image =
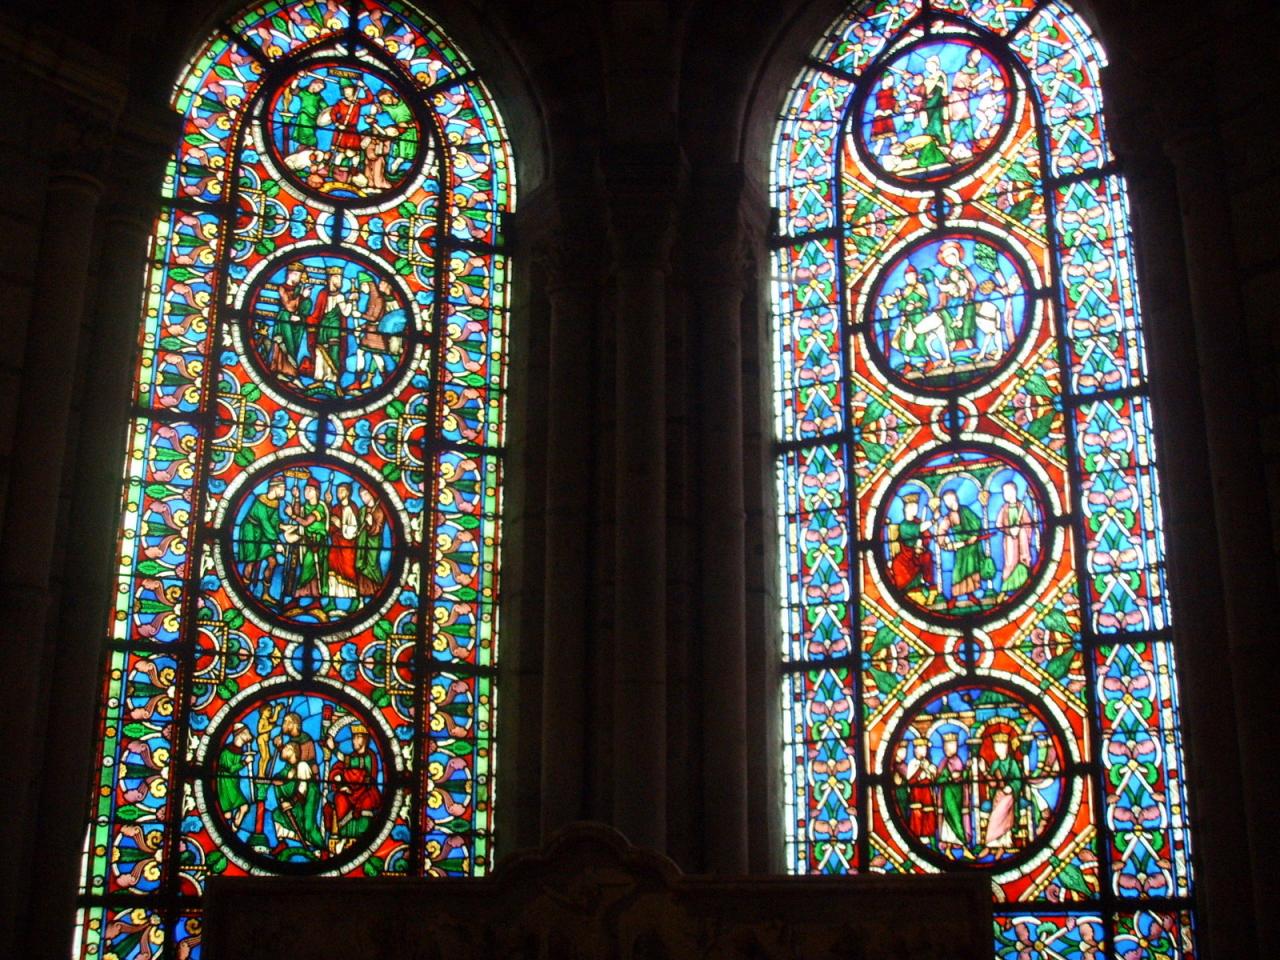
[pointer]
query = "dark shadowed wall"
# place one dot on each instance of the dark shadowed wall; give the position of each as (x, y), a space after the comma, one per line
(639, 593)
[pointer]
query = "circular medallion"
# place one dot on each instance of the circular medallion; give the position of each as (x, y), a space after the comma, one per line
(297, 781)
(949, 312)
(962, 535)
(933, 111)
(345, 132)
(975, 776)
(327, 327)
(311, 544)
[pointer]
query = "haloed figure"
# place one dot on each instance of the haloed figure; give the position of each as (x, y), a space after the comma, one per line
(344, 525)
(959, 531)
(1004, 774)
(1017, 525)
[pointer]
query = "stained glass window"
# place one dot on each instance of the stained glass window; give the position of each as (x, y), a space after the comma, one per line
(300, 661)
(978, 668)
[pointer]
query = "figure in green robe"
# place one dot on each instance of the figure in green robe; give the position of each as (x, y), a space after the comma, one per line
(901, 788)
(935, 103)
(309, 102)
(296, 814)
(404, 149)
(959, 530)
(910, 302)
(951, 779)
(312, 532)
(258, 540)
(230, 765)
(969, 82)
(288, 328)
(369, 572)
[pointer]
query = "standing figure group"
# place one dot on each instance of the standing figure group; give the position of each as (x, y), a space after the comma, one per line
(941, 555)
(291, 796)
(301, 554)
(980, 798)
(361, 142)
(337, 338)
(927, 117)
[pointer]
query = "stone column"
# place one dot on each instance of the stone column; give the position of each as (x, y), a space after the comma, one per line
(88, 567)
(1193, 537)
(642, 210)
(1238, 494)
(31, 520)
(717, 289)
(572, 291)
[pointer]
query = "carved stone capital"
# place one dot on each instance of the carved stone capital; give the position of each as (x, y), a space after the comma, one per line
(141, 147)
(645, 188)
(727, 228)
(79, 142)
(567, 251)
(82, 93)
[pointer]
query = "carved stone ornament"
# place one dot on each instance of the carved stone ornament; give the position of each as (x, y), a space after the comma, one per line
(590, 894)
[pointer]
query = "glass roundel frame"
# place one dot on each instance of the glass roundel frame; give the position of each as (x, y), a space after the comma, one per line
(306, 554)
(998, 314)
(286, 331)
(867, 114)
(1005, 753)
(286, 786)
(938, 508)
(312, 97)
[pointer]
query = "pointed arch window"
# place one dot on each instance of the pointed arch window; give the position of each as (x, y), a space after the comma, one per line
(299, 674)
(978, 667)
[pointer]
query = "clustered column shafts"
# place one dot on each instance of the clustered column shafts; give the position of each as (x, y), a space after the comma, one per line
(102, 418)
(1237, 479)
(42, 441)
(571, 292)
(720, 289)
(642, 209)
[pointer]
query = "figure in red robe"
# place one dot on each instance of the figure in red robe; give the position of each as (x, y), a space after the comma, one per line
(922, 778)
(356, 795)
(344, 526)
(345, 117)
(883, 126)
(912, 565)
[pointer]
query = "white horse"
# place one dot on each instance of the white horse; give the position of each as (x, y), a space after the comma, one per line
(932, 330)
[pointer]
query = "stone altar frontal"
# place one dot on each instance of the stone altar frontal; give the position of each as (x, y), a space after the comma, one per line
(589, 895)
